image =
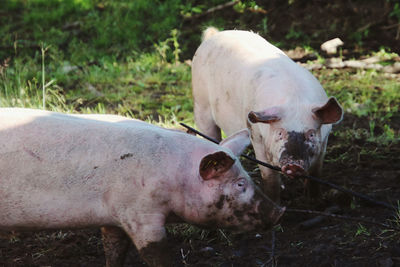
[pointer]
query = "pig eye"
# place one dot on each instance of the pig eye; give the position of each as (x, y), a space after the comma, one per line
(280, 134)
(241, 184)
(310, 135)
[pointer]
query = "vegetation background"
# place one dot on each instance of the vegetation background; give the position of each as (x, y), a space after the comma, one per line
(133, 58)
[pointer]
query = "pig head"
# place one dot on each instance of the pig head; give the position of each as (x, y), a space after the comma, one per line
(230, 199)
(293, 138)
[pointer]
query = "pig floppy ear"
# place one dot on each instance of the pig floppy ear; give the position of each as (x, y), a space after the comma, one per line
(213, 165)
(237, 142)
(266, 116)
(331, 112)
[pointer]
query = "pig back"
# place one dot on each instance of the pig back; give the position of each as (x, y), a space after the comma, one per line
(239, 71)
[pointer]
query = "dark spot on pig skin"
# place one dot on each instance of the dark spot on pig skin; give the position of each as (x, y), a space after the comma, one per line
(95, 167)
(212, 214)
(33, 154)
(127, 155)
(220, 202)
(157, 253)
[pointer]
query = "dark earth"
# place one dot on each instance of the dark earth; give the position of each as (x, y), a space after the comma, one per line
(331, 242)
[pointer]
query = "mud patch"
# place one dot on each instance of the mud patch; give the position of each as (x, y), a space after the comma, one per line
(127, 155)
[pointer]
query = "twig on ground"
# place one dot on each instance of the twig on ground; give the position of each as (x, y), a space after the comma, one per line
(212, 10)
(272, 259)
(343, 217)
(316, 220)
(390, 26)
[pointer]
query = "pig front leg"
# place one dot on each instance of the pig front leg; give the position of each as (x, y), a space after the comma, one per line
(157, 253)
(149, 237)
(205, 121)
(271, 179)
(312, 189)
(115, 243)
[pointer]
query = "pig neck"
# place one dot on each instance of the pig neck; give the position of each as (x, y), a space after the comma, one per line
(191, 193)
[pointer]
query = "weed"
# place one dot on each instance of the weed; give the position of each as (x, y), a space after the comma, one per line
(396, 217)
(163, 47)
(362, 230)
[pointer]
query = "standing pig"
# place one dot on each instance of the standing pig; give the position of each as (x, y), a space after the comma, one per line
(239, 80)
(126, 176)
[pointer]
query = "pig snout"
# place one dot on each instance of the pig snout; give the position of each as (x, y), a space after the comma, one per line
(269, 211)
(293, 169)
(297, 154)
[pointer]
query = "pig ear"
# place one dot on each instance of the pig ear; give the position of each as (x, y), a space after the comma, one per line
(237, 142)
(265, 116)
(213, 165)
(331, 112)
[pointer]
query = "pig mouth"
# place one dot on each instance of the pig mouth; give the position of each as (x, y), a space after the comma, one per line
(293, 170)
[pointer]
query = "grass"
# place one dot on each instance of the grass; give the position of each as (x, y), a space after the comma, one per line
(145, 85)
(371, 102)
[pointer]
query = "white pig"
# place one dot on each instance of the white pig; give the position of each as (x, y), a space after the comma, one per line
(126, 176)
(240, 80)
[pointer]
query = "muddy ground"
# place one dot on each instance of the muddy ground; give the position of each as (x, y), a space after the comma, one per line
(329, 243)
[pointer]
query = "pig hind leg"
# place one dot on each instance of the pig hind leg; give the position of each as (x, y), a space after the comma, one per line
(116, 244)
(205, 122)
(151, 242)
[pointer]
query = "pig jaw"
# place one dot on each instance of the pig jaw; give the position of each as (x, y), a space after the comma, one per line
(269, 211)
(257, 214)
(222, 204)
(240, 213)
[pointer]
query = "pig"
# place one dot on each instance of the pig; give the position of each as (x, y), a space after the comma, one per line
(240, 80)
(127, 177)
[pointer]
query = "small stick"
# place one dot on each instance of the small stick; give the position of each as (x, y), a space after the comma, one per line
(342, 217)
(318, 219)
(212, 10)
(272, 259)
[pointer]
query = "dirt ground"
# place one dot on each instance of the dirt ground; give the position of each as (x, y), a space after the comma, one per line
(329, 243)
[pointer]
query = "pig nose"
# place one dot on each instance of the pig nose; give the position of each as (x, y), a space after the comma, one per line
(270, 211)
(293, 170)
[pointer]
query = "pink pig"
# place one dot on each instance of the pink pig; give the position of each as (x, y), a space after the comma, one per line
(240, 80)
(126, 176)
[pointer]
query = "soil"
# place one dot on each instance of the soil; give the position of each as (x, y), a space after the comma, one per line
(331, 242)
